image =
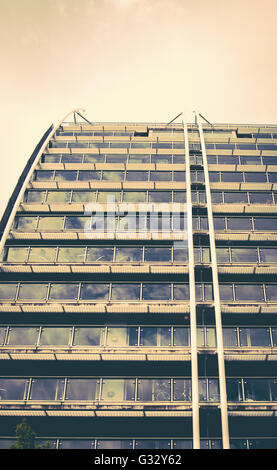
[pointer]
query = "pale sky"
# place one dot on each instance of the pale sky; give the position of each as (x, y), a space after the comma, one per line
(131, 60)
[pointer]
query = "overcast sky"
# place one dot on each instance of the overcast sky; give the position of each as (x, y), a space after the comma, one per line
(131, 60)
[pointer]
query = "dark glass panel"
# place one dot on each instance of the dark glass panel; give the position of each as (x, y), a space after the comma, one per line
(256, 390)
(239, 197)
(82, 389)
(160, 196)
(99, 254)
(181, 292)
(154, 389)
(228, 176)
(239, 223)
(156, 292)
(64, 291)
(64, 175)
(257, 177)
(46, 389)
(71, 254)
(113, 175)
(265, 224)
(182, 389)
(125, 292)
(148, 336)
(94, 291)
(128, 254)
(268, 255)
(248, 255)
(260, 198)
(12, 389)
(251, 292)
(159, 254)
(87, 336)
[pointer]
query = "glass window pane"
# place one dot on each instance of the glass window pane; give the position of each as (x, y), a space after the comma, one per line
(95, 291)
(125, 291)
(219, 223)
(159, 254)
(213, 390)
(181, 292)
(268, 255)
(99, 254)
(250, 160)
(72, 158)
(112, 175)
(265, 224)
(50, 223)
(239, 223)
(249, 292)
(71, 254)
(182, 389)
(35, 196)
(23, 336)
(271, 292)
(114, 444)
(160, 176)
(26, 224)
(211, 337)
(217, 197)
(12, 389)
(87, 336)
(154, 389)
(125, 254)
(165, 336)
(254, 337)
(64, 291)
(255, 177)
(228, 176)
(117, 337)
(222, 255)
(181, 176)
(77, 223)
(137, 176)
(156, 292)
(7, 291)
(83, 196)
(179, 196)
(272, 177)
(248, 255)
(139, 158)
(135, 196)
(116, 158)
(180, 254)
(118, 389)
(233, 388)
(75, 444)
(148, 336)
(45, 389)
(181, 336)
(232, 197)
(260, 198)
(160, 196)
(202, 384)
(42, 175)
(82, 389)
(256, 390)
(58, 196)
(16, 255)
(63, 175)
(226, 291)
(55, 336)
(42, 254)
(32, 291)
(230, 337)
(152, 444)
(108, 197)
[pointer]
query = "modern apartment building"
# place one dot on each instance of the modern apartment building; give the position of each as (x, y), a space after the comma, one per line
(138, 287)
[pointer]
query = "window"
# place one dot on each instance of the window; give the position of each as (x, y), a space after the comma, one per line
(95, 291)
(254, 337)
(250, 292)
(128, 254)
(232, 197)
(71, 254)
(247, 255)
(84, 336)
(83, 196)
(46, 224)
(160, 196)
(64, 291)
(118, 389)
(125, 292)
(182, 389)
(63, 175)
(271, 292)
(8, 291)
(46, 389)
(260, 198)
(154, 389)
(239, 223)
(255, 177)
(135, 196)
(160, 176)
(55, 336)
(13, 389)
(156, 292)
(265, 224)
(268, 255)
(32, 292)
(23, 336)
(99, 254)
(82, 389)
(159, 254)
(137, 176)
(229, 176)
(16, 254)
(58, 196)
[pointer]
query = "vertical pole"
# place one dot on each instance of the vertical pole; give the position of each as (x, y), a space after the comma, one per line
(219, 334)
(193, 322)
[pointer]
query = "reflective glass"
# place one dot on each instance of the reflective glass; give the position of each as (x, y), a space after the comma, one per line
(16, 254)
(160, 176)
(182, 389)
(211, 337)
(23, 336)
(181, 176)
(42, 254)
(181, 292)
(77, 223)
(160, 196)
(239, 223)
(202, 387)
(95, 291)
(226, 291)
(117, 337)
(260, 198)
(268, 255)
(271, 292)
(213, 390)
(154, 389)
(72, 158)
(25, 224)
(42, 175)
(232, 197)
(148, 336)
(265, 224)
(87, 175)
(231, 176)
(50, 223)
(63, 175)
(87, 336)
(134, 196)
(159, 254)
(58, 196)
(182, 444)
(64, 291)
(114, 444)
(125, 291)
(251, 337)
(99, 254)
(46, 389)
(248, 255)
(35, 196)
(12, 389)
(249, 292)
(256, 390)
(217, 197)
(219, 223)
(83, 196)
(2, 335)
(179, 196)
(108, 197)
(82, 389)
(230, 337)
(152, 444)
(71, 254)
(55, 336)
(91, 158)
(181, 336)
(128, 254)
(116, 158)
(112, 175)
(7, 291)
(32, 291)
(162, 159)
(139, 158)
(234, 390)
(269, 160)
(75, 444)
(180, 254)
(156, 292)
(272, 177)
(118, 389)
(250, 160)
(257, 177)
